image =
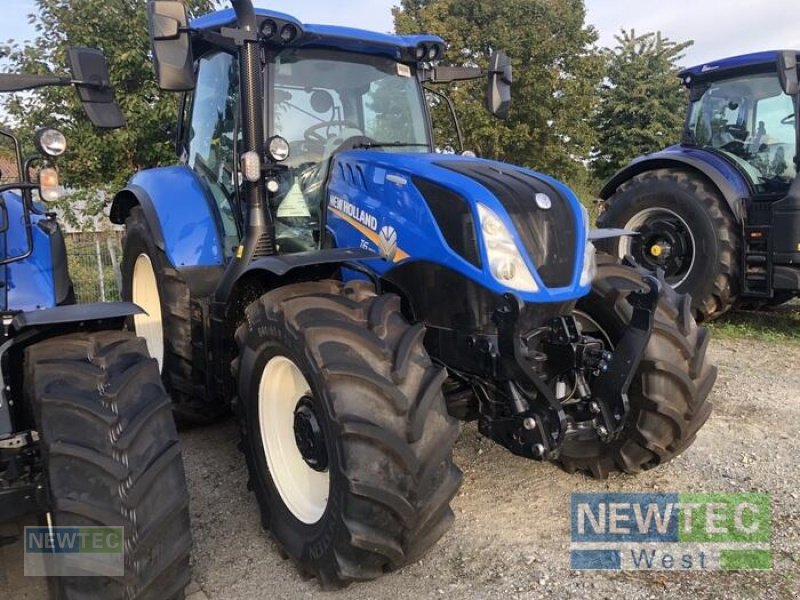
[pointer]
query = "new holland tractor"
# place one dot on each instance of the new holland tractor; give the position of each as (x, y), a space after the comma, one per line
(87, 437)
(719, 213)
(353, 295)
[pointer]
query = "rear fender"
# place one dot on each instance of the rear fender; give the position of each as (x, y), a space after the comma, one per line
(181, 218)
(724, 176)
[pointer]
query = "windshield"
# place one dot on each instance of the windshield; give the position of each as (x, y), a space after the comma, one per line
(325, 101)
(752, 121)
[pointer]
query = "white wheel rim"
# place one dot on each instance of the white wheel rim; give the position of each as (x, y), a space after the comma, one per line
(639, 219)
(303, 490)
(144, 292)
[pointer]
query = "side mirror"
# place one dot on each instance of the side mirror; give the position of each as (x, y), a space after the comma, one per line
(787, 71)
(90, 73)
(171, 45)
(498, 94)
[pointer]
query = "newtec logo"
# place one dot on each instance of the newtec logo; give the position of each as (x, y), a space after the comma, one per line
(671, 532)
(81, 551)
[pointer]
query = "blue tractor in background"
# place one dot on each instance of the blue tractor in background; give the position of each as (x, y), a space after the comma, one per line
(720, 212)
(87, 437)
(314, 265)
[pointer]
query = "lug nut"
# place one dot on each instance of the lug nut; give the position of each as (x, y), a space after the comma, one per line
(529, 424)
(538, 451)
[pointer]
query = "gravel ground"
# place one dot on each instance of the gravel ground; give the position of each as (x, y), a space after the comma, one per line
(511, 536)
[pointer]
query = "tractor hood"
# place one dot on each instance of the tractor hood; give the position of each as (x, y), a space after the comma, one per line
(435, 204)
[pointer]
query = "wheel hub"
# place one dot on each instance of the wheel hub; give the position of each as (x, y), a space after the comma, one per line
(664, 242)
(308, 435)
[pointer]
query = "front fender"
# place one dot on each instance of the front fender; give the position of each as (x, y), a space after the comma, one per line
(730, 182)
(273, 271)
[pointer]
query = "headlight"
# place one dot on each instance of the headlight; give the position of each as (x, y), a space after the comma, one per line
(589, 264)
(505, 262)
(589, 255)
(50, 142)
(278, 149)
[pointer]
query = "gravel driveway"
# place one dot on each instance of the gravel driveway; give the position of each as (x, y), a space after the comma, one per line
(511, 536)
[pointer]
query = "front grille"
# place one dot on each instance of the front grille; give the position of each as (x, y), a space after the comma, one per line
(454, 217)
(550, 236)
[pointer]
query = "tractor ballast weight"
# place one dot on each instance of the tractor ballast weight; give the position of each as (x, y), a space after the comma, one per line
(87, 438)
(720, 212)
(351, 294)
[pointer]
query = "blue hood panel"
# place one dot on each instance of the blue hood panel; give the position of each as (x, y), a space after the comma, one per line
(29, 283)
(372, 195)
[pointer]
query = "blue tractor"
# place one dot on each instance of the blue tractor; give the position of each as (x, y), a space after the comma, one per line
(87, 438)
(314, 265)
(720, 212)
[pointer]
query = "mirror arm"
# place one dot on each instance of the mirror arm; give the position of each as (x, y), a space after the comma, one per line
(18, 82)
(101, 86)
(451, 74)
(452, 108)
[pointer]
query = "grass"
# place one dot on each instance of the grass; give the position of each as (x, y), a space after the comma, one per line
(781, 324)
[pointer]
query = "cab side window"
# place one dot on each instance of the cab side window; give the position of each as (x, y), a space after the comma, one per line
(210, 136)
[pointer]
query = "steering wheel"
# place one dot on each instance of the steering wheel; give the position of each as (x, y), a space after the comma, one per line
(311, 134)
(788, 120)
(735, 147)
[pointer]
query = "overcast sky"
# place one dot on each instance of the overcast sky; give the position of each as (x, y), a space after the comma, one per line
(719, 29)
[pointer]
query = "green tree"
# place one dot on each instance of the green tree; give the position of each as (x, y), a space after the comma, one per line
(96, 163)
(642, 101)
(556, 73)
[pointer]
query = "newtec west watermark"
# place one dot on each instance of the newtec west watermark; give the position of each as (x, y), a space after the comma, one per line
(74, 551)
(671, 532)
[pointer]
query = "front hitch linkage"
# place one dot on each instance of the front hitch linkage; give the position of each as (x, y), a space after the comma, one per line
(610, 389)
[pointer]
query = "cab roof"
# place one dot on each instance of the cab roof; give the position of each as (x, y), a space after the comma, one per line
(713, 69)
(399, 47)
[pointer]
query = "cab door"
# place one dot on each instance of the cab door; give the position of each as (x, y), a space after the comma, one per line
(210, 139)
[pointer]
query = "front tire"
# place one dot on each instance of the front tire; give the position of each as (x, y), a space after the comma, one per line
(686, 229)
(111, 457)
(361, 481)
(669, 393)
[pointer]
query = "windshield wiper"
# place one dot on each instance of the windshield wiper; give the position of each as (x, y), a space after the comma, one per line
(368, 145)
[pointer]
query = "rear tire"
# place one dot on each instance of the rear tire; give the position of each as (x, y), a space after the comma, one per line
(668, 395)
(712, 277)
(383, 500)
(111, 457)
(148, 279)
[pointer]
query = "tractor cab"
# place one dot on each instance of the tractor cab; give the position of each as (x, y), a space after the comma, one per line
(326, 90)
(745, 110)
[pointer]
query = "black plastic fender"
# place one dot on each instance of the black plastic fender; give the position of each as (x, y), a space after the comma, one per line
(133, 196)
(28, 328)
(107, 315)
(282, 266)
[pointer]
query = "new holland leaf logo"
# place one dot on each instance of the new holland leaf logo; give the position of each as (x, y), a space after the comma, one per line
(387, 241)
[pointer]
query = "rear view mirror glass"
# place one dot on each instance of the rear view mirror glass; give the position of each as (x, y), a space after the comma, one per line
(90, 72)
(498, 97)
(171, 45)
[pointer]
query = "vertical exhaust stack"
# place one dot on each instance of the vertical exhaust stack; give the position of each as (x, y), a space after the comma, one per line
(259, 233)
